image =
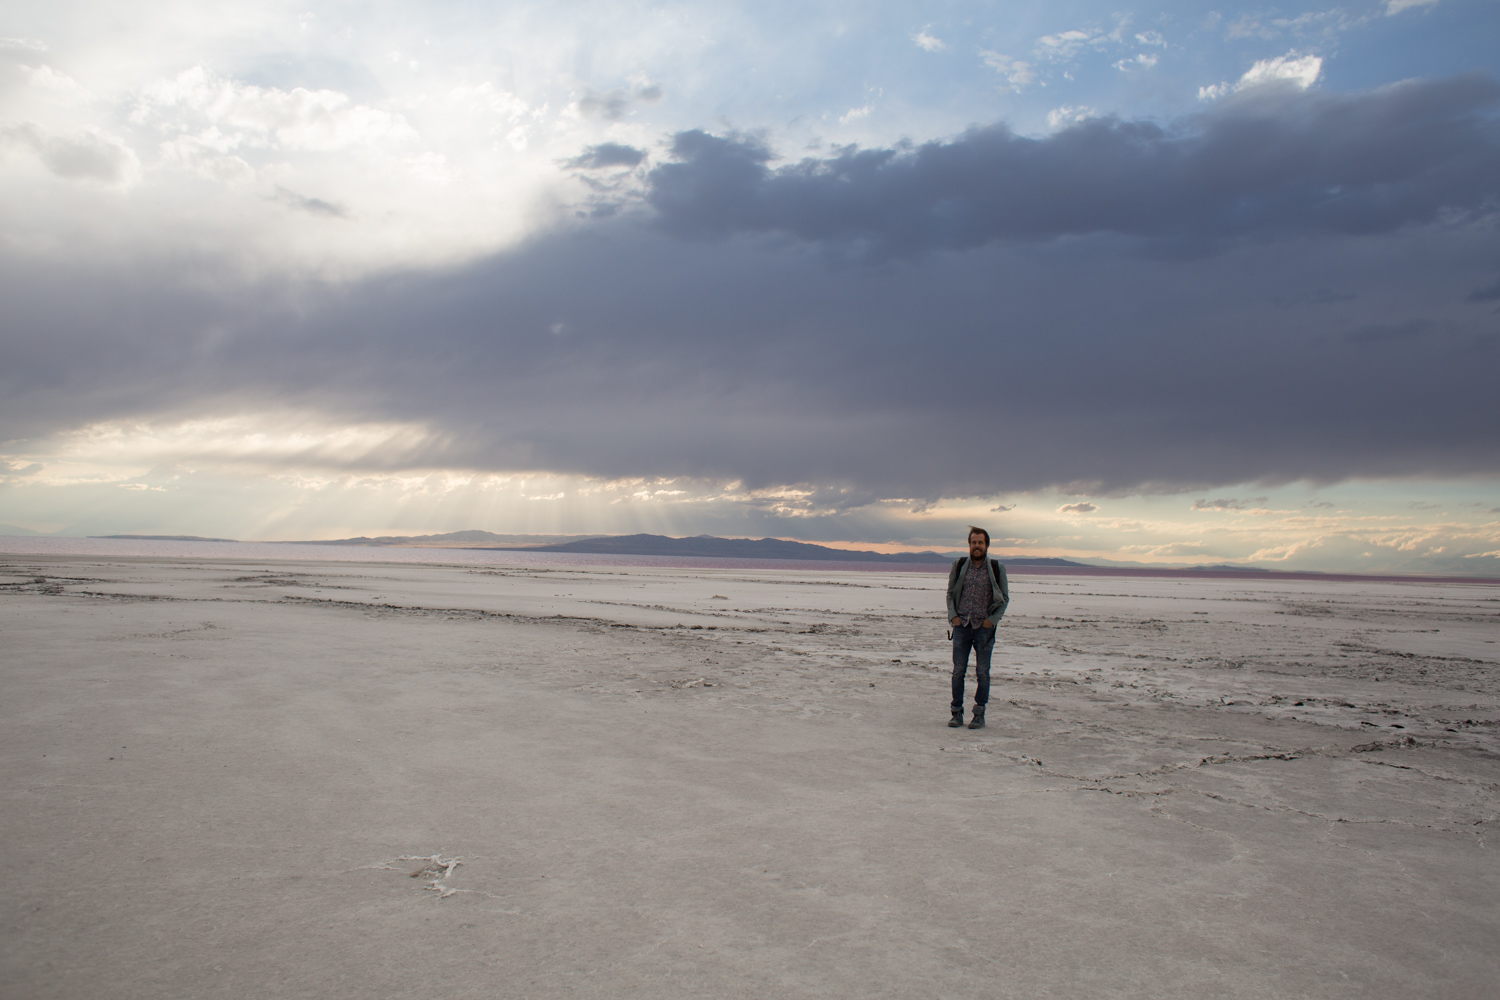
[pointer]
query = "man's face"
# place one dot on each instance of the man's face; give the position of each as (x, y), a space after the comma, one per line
(977, 547)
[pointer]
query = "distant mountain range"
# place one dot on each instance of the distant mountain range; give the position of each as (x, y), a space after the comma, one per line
(759, 548)
(662, 545)
(729, 548)
(452, 539)
(709, 546)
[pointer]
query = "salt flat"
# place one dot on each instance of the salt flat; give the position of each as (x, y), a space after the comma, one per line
(220, 776)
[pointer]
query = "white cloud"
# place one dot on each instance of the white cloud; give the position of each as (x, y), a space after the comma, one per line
(1250, 27)
(86, 154)
(854, 114)
(928, 43)
(1397, 6)
(1065, 44)
(1141, 60)
(1231, 503)
(122, 451)
(208, 154)
(433, 166)
(1017, 72)
(1327, 23)
(488, 97)
(297, 119)
(55, 86)
(11, 472)
(22, 45)
(1151, 38)
(480, 174)
(1070, 114)
(1301, 71)
(1165, 550)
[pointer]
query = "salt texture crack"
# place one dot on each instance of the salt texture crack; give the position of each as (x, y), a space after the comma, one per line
(435, 870)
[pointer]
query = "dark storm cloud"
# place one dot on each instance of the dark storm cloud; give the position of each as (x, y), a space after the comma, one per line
(996, 370)
(1270, 160)
(1379, 333)
(605, 155)
(1014, 365)
(1489, 293)
(1313, 297)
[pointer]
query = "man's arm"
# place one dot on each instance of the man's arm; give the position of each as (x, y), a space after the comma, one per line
(1000, 599)
(952, 580)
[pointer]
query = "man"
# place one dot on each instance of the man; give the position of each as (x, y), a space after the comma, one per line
(977, 596)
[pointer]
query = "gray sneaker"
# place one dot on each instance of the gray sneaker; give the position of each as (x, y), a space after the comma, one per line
(978, 721)
(957, 720)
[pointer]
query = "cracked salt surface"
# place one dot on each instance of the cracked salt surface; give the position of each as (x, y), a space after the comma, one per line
(434, 871)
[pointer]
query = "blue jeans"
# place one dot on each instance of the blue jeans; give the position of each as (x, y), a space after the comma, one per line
(982, 642)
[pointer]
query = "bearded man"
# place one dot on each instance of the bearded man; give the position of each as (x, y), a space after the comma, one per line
(977, 597)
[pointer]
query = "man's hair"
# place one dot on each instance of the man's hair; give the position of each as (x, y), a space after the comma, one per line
(979, 531)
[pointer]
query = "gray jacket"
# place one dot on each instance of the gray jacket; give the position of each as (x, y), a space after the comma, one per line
(999, 588)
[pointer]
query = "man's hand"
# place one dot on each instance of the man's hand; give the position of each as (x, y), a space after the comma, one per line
(987, 624)
(956, 622)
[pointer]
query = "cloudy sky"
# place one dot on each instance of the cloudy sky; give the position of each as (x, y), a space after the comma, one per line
(1158, 284)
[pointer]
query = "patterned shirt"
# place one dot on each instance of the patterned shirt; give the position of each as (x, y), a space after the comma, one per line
(974, 602)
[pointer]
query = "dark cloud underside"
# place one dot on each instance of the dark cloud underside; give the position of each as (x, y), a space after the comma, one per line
(605, 155)
(1269, 160)
(1329, 334)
